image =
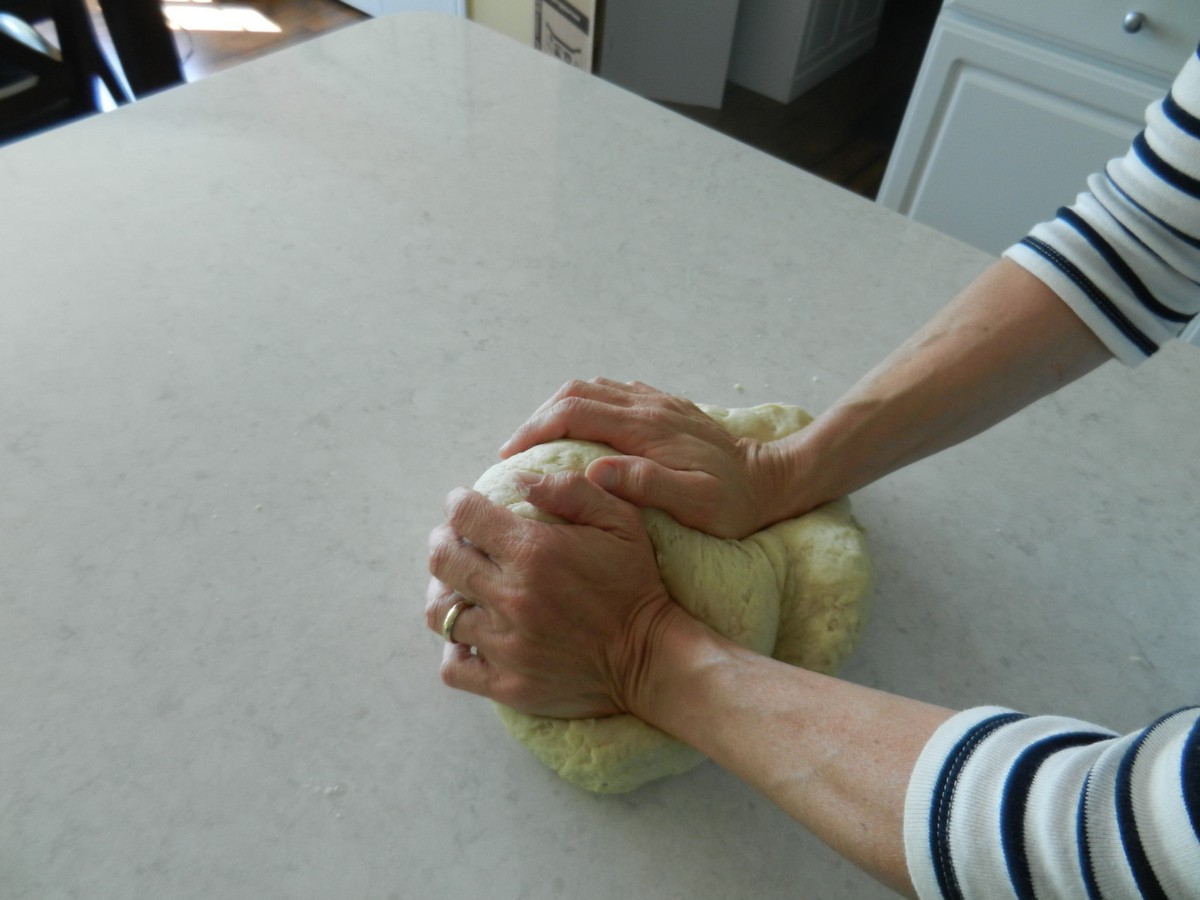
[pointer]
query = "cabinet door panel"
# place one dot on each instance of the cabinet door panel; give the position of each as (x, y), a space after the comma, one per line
(1000, 134)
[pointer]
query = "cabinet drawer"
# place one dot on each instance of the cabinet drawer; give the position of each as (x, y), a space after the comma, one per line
(1170, 29)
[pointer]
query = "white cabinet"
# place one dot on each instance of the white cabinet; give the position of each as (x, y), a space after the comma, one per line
(673, 50)
(783, 47)
(1019, 101)
(1156, 42)
(387, 7)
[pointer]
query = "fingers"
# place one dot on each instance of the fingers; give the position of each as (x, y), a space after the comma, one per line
(466, 671)
(626, 387)
(586, 410)
(440, 601)
(477, 531)
(585, 420)
(547, 602)
(639, 481)
(472, 516)
(463, 568)
(471, 672)
(571, 496)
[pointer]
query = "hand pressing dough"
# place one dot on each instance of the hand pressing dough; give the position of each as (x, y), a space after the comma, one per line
(796, 591)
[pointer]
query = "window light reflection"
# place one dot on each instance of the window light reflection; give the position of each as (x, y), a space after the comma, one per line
(204, 15)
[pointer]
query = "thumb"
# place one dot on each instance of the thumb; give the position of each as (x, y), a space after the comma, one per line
(640, 481)
(572, 497)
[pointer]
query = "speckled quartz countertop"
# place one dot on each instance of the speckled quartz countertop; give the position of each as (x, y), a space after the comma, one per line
(253, 329)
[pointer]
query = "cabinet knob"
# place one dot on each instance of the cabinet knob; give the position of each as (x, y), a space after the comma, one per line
(1133, 22)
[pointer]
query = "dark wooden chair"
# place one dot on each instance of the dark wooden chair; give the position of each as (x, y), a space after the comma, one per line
(48, 84)
(35, 86)
(43, 85)
(143, 43)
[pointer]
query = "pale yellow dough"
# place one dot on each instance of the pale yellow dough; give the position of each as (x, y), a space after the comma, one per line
(797, 591)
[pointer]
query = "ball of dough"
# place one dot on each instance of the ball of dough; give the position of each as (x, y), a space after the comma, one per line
(796, 591)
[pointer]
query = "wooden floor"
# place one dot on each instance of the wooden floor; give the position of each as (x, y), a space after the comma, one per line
(843, 129)
(205, 52)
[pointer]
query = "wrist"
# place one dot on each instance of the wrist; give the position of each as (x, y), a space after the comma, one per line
(680, 657)
(789, 477)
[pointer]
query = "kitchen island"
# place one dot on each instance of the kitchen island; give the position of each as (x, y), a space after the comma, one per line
(254, 328)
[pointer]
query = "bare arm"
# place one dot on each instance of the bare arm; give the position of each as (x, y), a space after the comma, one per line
(1002, 343)
(835, 756)
(573, 620)
(1005, 341)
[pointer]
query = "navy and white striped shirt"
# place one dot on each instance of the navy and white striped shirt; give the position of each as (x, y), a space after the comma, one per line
(1006, 805)
(1126, 256)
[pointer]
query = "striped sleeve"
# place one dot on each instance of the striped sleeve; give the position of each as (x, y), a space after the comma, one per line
(1126, 256)
(1003, 805)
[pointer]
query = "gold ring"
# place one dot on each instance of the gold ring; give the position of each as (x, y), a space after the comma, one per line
(451, 618)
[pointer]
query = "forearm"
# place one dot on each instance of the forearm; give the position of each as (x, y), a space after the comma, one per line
(834, 755)
(1004, 342)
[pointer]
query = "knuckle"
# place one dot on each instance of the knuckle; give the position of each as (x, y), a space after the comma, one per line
(570, 405)
(635, 475)
(651, 416)
(678, 404)
(565, 479)
(439, 557)
(473, 586)
(574, 388)
(458, 506)
(449, 673)
(508, 600)
(433, 612)
(518, 608)
(431, 599)
(438, 536)
(529, 558)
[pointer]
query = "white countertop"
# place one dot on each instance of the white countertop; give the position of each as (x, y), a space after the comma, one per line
(253, 329)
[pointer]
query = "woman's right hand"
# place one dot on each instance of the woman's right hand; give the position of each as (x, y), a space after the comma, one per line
(561, 620)
(677, 458)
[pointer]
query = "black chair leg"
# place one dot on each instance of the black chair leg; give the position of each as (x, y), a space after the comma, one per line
(81, 50)
(144, 44)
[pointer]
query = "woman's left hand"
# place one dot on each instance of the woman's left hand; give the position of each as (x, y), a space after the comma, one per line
(562, 619)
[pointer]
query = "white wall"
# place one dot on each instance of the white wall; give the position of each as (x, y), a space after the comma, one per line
(511, 17)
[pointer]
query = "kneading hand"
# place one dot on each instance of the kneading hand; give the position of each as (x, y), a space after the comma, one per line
(680, 460)
(563, 618)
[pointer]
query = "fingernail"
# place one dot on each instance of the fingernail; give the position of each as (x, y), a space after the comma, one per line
(523, 483)
(605, 477)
